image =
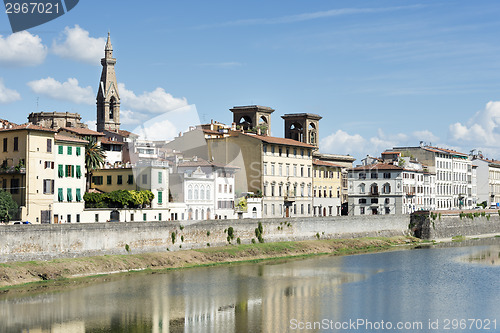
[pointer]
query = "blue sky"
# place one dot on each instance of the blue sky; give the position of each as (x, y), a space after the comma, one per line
(381, 73)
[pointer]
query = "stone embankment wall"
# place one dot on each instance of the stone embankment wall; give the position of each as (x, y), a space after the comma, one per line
(41, 242)
(441, 225)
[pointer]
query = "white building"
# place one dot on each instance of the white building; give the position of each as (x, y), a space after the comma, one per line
(69, 179)
(488, 180)
(397, 186)
(454, 174)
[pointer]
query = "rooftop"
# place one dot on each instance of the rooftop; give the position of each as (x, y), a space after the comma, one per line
(279, 141)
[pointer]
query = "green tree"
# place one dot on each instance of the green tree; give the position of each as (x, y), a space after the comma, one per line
(94, 157)
(8, 207)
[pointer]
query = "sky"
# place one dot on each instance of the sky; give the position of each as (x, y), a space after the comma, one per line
(380, 73)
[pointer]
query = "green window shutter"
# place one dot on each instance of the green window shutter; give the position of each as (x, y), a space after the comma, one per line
(70, 195)
(108, 180)
(119, 180)
(72, 171)
(70, 150)
(78, 195)
(60, 148)
(130, 179)
(60, 170)
(78, 172)
(67, 171)
(160, 177)
(78, 152)
(160, 197)
(60, 196)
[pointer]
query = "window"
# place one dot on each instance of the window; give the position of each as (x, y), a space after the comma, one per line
(159, 216)
(280, 151)
(119, 180)
(196, 191)
(96, 218)
(60, 195)
(202, 193)
(69, 195)
(362, 210)
(225, 188)
(77, 218)
(280, 169)
(387, 175)
(78, 151)
(144, 179)
(302, 152)
(272, 150)
(60, 150)
(70, 171)
(362, 176)
(220, 188)
(78, 195)
(362, 188)
(48, 186)
(230, 188)
(295, 170)
(374, 201)
(374, 189)
(14, 186)
(207, 193)
(160, 197)
(5, 144)
(190, 192)
(109, 180)
(70, 150)
(374, 175)
(4, 184)
(264, 148)
(301, 171)
(97, 180)
(16, 143)
(287, 152)
(60, 171)
(387, 188)
(78, 172)
(362, 201)
(295, 152)
(265, 169)
(130, 179)
(272, 169)
(160, 178)
(132, 217)
(387, 210)
(144, 217)
(68, 218)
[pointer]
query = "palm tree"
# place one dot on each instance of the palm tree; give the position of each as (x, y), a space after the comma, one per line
(94, 157)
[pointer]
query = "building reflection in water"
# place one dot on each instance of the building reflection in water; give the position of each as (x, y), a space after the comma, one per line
(260, 297)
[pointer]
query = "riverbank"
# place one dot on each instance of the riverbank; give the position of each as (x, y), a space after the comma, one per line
(19, 273)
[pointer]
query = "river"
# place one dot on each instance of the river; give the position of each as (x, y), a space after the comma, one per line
(452, 287)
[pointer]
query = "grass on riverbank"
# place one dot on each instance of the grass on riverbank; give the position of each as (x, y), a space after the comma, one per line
(18, 273)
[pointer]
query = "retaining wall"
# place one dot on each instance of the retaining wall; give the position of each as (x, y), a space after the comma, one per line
(433, 225)
(41, 242)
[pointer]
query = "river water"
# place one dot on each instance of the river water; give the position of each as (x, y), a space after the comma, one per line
(451, 287)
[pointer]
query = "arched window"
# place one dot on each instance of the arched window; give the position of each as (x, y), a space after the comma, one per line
(112, 104)
(196, 192)
(374, 189)
(190, 192)
(202, 193)
(208, 193)
(362, 188)
(254, 212)
(387, 188)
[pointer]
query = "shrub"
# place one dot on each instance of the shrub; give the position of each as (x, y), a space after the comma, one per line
(181, 227)
(253, 240)
(238, 240)
(317, 235)
(230, 232)
(208, 244)
(208, 233)
(127, 248)
(173, 237)
(182, 238)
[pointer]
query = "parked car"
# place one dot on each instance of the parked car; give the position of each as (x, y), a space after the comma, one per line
(22, 222)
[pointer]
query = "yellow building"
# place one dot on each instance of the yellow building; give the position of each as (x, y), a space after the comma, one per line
(327, 188)
(27, 170)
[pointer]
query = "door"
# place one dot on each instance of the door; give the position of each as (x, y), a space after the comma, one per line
(287, 211)
(56, 219)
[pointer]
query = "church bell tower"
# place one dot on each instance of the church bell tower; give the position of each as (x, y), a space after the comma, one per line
(108, 99)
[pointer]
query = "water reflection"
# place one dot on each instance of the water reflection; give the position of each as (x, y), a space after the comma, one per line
(264, 297)
(490, 256)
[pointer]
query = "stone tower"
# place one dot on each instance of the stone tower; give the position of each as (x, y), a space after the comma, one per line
(253, 117)
(303, 127)
(108, 100)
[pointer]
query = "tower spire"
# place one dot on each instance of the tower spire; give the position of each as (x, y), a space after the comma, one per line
(108, 99)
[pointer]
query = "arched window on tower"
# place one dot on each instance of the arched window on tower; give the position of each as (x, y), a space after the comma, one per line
(112, 105)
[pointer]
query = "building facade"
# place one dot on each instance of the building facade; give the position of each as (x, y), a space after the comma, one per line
(327, 188)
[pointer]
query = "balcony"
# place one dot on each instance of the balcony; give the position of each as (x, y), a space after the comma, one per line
(374, 194)
(290, 198)
(13, 170)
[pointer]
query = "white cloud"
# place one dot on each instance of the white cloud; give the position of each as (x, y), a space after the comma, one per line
(78, 45)
(167, 126)
(342, 142)
(156, 101)
(426, 136)
(8, 95)
(65, 91)
(482, 130)
(92, 124)
(129, 117)
(22, 49)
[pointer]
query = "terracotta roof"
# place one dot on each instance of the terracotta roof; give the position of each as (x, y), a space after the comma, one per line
(60, 137)
(325, 163)
(126, 134)
(107, 141)
(449, 151)
(211, 132)
(279, 141)
(28, 126)
(378, 166)
(391, 152)
(82, 131)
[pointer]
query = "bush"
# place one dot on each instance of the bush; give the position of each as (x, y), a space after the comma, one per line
(238, 240)
(253, 240)
(208, 232)
(118, 199)
(173, 237)
(8, 207)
